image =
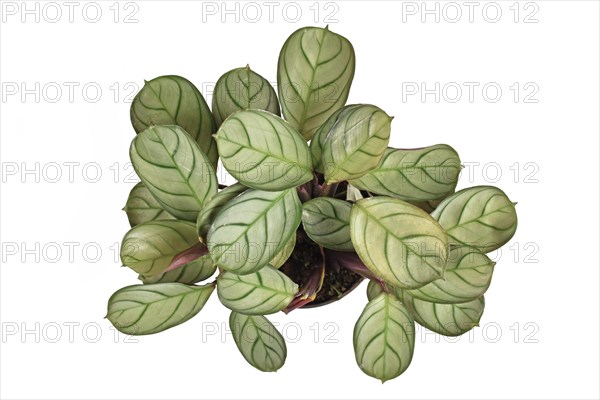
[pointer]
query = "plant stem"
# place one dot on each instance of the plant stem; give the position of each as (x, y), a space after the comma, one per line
(329, 190)
(315, 188)
(303, 194)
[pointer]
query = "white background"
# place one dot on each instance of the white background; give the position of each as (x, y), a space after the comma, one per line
(539, 333)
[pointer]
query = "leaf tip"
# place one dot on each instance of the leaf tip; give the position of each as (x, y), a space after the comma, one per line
(515, 203)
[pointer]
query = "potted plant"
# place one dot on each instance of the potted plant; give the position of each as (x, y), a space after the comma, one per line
(321, 203)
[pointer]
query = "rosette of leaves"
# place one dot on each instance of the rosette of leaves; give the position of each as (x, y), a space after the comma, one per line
(321, 202)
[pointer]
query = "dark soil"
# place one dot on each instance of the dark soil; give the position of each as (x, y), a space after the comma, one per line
(338, 282)
(307, 261)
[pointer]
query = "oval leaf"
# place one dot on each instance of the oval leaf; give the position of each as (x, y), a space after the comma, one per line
(146, 309)
(149, 248)
(174, 170)
(326, 222)
(264, 292)
(195, 271)
(214, 205)
(446, 319)
(242, 89)
(314, 74)
(467, 277)
(384, 338)
(262, 151)
(355, 143)
(318, 141)
(142, 206)
(423, 174)
(173, 100)
(482, 217)
(285, 253)
(251, 229)
(259, 341)
(399, 242)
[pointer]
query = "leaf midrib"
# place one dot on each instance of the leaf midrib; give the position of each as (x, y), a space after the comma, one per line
(261, 215)
(298, 163)
(193, 290)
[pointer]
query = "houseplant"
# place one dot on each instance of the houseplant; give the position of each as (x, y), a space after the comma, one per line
(321, 203)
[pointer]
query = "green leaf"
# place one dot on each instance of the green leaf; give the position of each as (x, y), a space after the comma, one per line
(148, 248)
(373, 290)
(482, 217)
(314, 74)
(214, 205)
(428, 173)
(467, 277)
(259, 341)
(195, 271)
(317, 142)
(285, 253)
(384, 338)
(242, 89)
(142, 207)
(264, 292)
(262, 151)
(174, 170)
(355, 143)
(399, 242)
(147, 309)
(173, 100)
(326, 222)
(446, 319)
(251, 229)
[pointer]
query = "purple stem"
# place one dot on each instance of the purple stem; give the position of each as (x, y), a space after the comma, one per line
(315, 188)
(196, 251)
(303, 194)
